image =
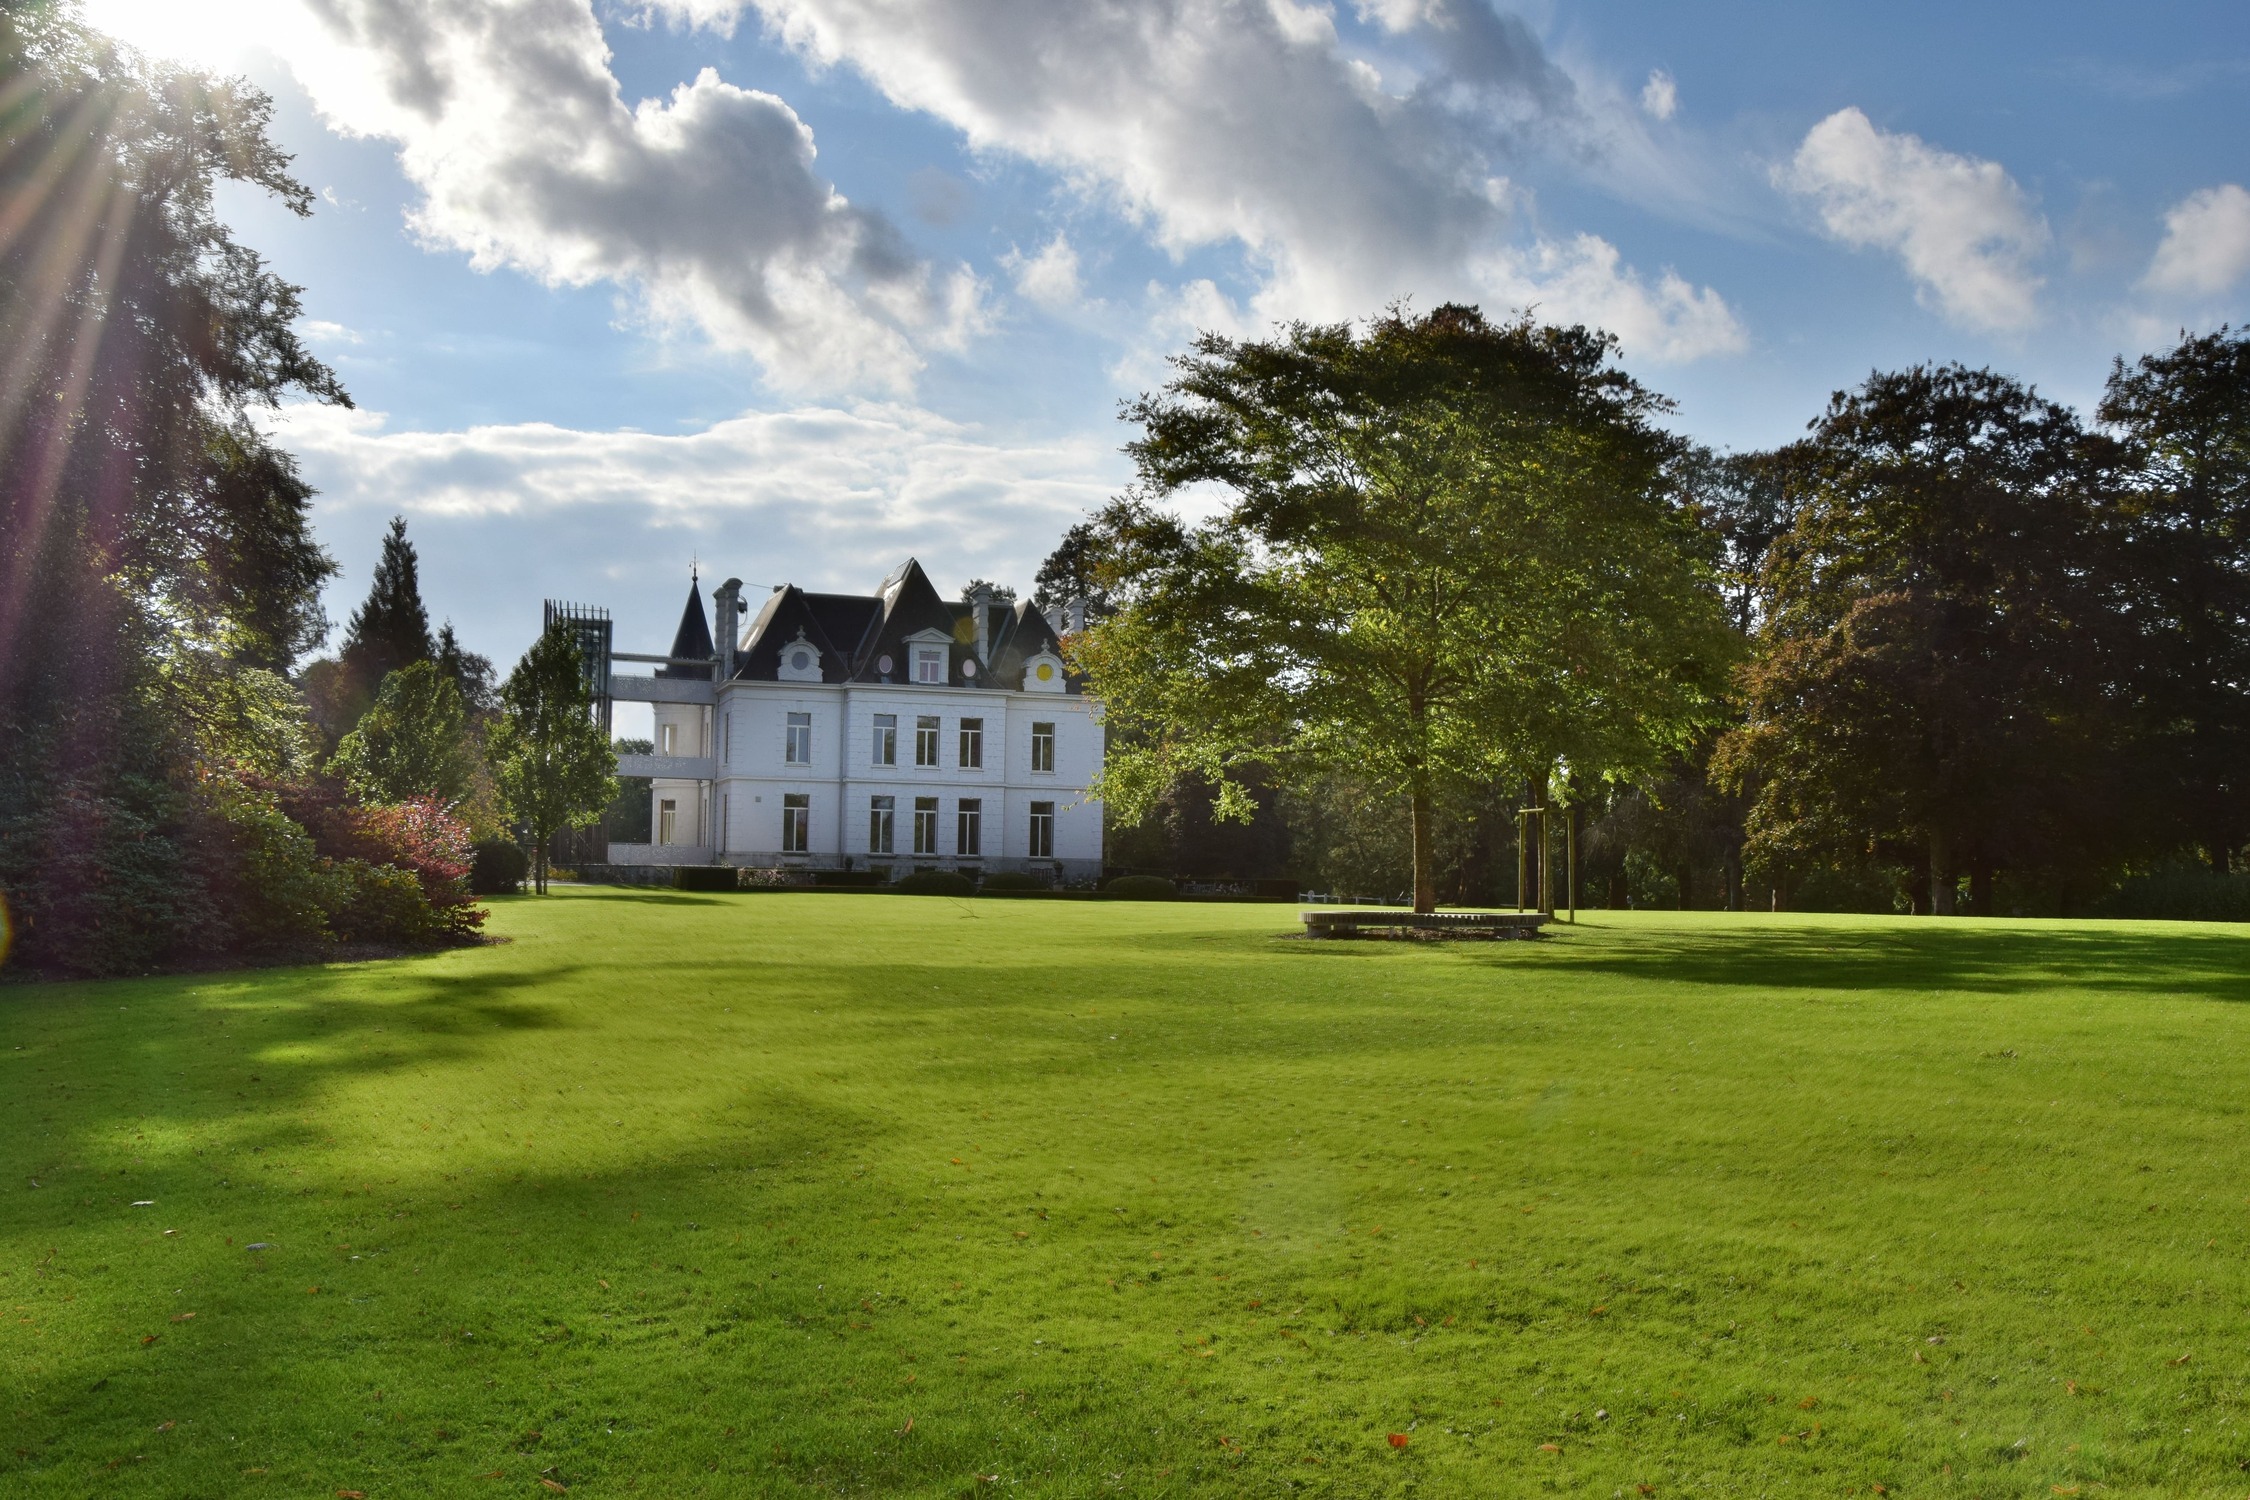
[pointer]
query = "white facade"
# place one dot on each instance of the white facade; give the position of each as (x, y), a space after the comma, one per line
(940, 736)
(741, 818)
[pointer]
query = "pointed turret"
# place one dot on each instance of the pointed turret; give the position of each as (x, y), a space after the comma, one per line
(693, 640)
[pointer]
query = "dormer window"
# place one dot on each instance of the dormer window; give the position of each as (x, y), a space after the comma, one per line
(800, 661)
(929, 664)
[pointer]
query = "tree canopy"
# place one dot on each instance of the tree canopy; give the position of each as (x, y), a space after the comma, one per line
(554, 767)
(156, 563)
(1936, 630)
(1450, 550)
(412, 742)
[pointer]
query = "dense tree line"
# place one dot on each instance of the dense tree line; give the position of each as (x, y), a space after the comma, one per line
(168, 793)
(1979, 653)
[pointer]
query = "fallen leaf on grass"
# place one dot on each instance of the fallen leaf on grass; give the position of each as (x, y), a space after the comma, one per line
(1398, 1440)
(909, 1427)
(166, 1426)
(495, 1474)
(558, 1488)
(1808, 1403)
(351, 1495)
(1550, 1447)
(2064, 1489)
(152, 1338)
(601, 1283)
(2183, 1359)
(181, 1317)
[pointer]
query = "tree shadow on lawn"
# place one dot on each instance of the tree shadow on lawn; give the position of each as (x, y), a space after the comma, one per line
(2212, 965)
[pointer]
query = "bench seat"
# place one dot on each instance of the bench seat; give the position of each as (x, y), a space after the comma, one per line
(1347, 923)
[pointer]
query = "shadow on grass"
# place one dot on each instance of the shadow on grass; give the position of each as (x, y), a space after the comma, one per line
(2212, 965)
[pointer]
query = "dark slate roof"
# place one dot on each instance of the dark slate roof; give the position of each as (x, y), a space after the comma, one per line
(693, 637)
(855, 633)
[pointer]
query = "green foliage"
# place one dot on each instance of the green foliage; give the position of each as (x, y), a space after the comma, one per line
(413, 742)
(159, 560)
(1767, 1160)
(391, 628)
(1015, 880)
(272, 892)
(2185, 418)
(1452, 554)
(1929, 681)
(383, 904)
(2182, 892)
(498, 867)
(933, 883)
(554, 767)
(1141, 888)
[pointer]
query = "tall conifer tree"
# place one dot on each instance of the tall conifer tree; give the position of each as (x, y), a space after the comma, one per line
(392, 629)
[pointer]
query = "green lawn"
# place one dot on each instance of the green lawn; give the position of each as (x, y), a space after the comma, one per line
(727, 1195)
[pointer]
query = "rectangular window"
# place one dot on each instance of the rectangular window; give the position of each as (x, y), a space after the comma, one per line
(929, 664)
(925, 740)
(1042, 830)
(969, 829)
(925, 825)
(879, 815)
(799, 752)
(972, 744)
(668, 739)
(886, 739)
(796, 822)
(1043, 748)
(726, 736)
(667, 820)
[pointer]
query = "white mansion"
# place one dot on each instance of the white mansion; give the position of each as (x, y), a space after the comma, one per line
(894, 731)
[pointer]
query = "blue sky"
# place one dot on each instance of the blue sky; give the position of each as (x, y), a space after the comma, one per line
(802, 286)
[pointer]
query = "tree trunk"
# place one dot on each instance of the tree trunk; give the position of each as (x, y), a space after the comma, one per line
(1942, 878)
(1980, 888)
(1546, 861)
(2222, 854)
(1425, 882)
(539, 861)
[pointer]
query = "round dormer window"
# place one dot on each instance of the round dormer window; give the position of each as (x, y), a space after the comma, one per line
(883, 664)
(1046, 671)
(800, 661)
(968, 667)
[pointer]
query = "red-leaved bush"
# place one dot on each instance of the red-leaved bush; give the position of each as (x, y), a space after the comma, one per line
(421, 837)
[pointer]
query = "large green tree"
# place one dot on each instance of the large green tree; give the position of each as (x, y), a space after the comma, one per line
(1936, 637)
(2185, 417)
(412, 742)
(555, 768)
(1448, 552)
(156, 563)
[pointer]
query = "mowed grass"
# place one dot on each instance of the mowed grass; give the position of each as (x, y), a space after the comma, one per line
(774, 1195)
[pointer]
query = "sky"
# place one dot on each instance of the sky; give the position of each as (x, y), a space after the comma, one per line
(794, 289)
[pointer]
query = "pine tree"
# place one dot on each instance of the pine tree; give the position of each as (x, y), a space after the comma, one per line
(392, 628)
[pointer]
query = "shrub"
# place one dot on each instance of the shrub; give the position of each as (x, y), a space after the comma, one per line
(1016, 880)
(271, 890)
(421, 836)
(497, 867)
(934, 883)
(704, 878)
(385, 905)
(1141, 888)
(2188, 893)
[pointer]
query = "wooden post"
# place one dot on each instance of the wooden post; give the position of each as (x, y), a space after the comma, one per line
(1570, 870)
(1546, 862)
(1523, 856)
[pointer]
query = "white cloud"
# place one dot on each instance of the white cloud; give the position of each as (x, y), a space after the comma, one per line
(706, 207)
(1248, 122)
(2206, 246)
(1049, 278)
(1584, 280)
(844, 483)
(321, 331)
(1965, 231)
(1660, 96)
